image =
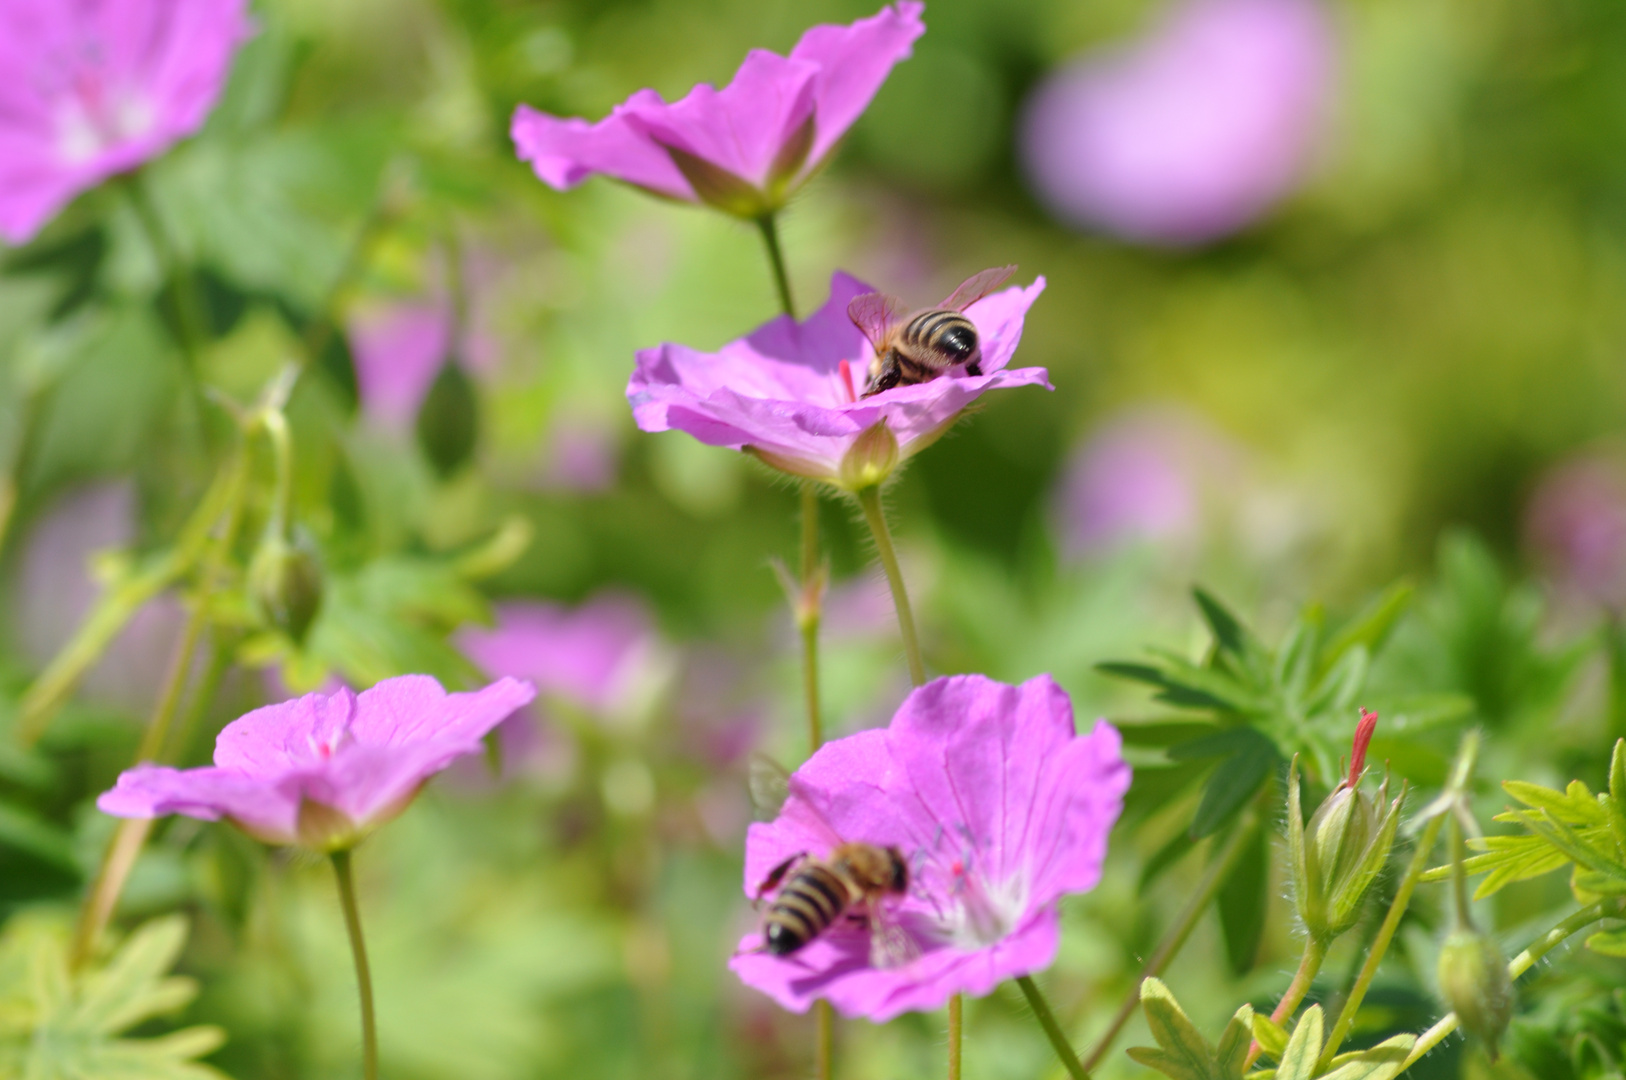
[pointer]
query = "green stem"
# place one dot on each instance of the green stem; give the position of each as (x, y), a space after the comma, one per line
(770, 239)
(1315, 952)
(1047, 1020)
(177, 276)
(1177, 934)
(823, 1039)
(808, 616)
(1380, 944)
(870, 499)
(358, 948)
(1613, 908)
(956, 1028)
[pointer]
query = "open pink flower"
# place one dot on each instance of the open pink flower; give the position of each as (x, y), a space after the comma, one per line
(1192, 133)
(788, 393)
(96, 87)
(999, 808)
(743, 148)
(323, 770)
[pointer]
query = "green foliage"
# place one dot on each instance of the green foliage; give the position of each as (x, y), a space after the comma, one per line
(60, 1024)
(1182, 1053)
(1297, 1055)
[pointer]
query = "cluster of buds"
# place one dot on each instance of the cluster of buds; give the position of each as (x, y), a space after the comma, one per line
(1338, 855)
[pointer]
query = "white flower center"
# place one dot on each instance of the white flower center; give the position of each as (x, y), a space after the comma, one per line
(93, 117)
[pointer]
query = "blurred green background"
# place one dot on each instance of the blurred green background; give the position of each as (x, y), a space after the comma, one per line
(1367, 383)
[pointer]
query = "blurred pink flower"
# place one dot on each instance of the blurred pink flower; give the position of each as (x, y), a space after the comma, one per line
(744, 148)
(96, 87)
(1575, 526)
(788, 392)
(1000, 810)
(323, 770)
(398, 350)
(1147, 475)
(54, 590)
(595, 656)
(582, 456)
(1191, 133)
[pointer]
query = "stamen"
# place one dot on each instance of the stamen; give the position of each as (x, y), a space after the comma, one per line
(846, 371)
(1363, 739)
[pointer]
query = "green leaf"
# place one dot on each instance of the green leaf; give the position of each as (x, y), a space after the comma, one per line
(1184, 1053)
(1271, 1036)
(1155, 733)
(1233, 783)
(1228, 631)
(1576, 805)
(22, 829)
(1380, 1062)
(1165, 857)
(64, 1025)
(1243, 899)
(1231, 1055)
(1299, 1057)
(1608, 943)
(1371, 627)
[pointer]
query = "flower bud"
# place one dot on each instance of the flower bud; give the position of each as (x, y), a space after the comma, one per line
(449, 419)
(1474, 982)
(1338, 855)
(285, 584)
(870, 459)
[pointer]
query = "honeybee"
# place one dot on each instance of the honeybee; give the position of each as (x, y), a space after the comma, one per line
(855, 883)
(918, 347)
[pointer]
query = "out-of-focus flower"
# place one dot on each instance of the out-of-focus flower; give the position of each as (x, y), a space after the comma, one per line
(604, 657)
(1193, 132)
(324, 770)
(1576, 528)
(55, 587)
(999, 808)
(94, 89)
(399, 348)
(788, 393)
(1147, 475)
(582, 456)
(744, 148)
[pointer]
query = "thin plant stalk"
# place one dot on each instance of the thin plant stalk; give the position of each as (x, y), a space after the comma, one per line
(1175, 938)
(1380, 944)
(956, 1029)
(1047, 1021)
(358, 949)
(1612, 908)
(870, 500)
(824, 1038)
(1315, 953)
(769, 226)
(808, 617)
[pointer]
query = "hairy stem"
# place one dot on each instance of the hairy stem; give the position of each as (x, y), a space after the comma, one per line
(956, 1028)
(1380, 944)
(1052, 1030)
(769, 226)
(870, 499)
(1177, 934)
(1612, 908)
(358, 949)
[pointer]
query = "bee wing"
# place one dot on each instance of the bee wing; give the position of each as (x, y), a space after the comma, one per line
(890, 945)
(977, 286)
(874, 313)
(769, 784)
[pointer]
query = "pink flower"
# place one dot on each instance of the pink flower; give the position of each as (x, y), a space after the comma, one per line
(323, 770)
(96, 87)
(1192, 133)
(744, 148)
(595, 656)
(789, 392)
(399, 349)
(999, 808)
(1576, 528)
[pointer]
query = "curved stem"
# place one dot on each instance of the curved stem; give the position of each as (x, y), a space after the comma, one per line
(1052, 1030)
(870, 499)
(956, 1027)
(1177, 933)
(776, 258)
(358, 949)
(1380, 944)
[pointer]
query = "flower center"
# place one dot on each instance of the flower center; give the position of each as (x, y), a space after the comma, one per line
(92, 116)
(845, 370)
(973, 911)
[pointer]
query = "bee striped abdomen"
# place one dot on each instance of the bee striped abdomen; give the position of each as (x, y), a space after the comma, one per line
(812, 899)
(947, 335)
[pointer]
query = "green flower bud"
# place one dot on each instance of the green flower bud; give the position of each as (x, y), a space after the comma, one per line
(1474, 982)
(449, 419)
(870, 459)
(1338, 855)
(285, 584)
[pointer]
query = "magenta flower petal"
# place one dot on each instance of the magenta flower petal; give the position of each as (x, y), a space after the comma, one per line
(1001, 809)
(751, 129)
(93, 89)
(359, 759)
(780, 392)
(1191, 133)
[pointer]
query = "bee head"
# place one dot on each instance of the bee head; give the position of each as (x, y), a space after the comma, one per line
(899, 871)
(960, 342)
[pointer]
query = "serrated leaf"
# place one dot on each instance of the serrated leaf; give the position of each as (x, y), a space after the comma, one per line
(1231, 1055)
(1243, 899)
(1574, 806)
(1371, 627)
(1380, 1062)
(1233, 783)
(1608, 943)
(1271, 1036)
(1228, 631)
(1303, 1048)
(1184, 1053)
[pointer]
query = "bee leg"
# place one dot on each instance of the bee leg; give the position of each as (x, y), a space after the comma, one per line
(859, 919)
(885, 379)
(777, 874)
